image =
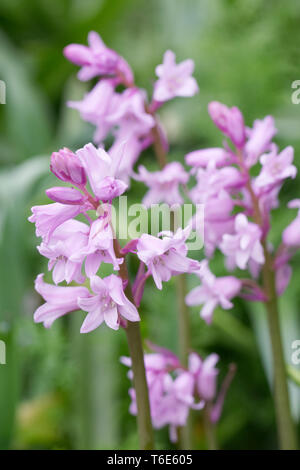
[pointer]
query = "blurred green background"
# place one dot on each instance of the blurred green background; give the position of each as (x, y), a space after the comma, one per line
(63, 390)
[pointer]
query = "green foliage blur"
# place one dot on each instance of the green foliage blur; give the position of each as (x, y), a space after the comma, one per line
(63, 390)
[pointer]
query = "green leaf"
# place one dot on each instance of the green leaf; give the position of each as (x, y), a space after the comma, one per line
(294, 374)
(95, 406)
(235, 330)
(15, 186)
(26, 115)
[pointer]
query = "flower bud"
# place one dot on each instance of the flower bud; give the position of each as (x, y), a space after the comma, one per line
(230, 121)
(65, 195)
(67, 167)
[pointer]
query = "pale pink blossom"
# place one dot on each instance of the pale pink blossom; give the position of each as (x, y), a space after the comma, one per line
(205, 373)
(108, 304)
(165, 256)
(230, 121)
(122, 114)
(212, 292)
(245, 244)
(99, 248)
(291, 234)
(282, 278)
(59, 301)
(101, 170)
(217, 220)
(66, 240)
(96, 107)
(66, 166)
(158, 362)
(50, 216)
(163, 185)
(66, 195)
(213, 233)
(174, 79)
(276, 167)
(170, 398)
(133, 146)
(97, 59)
(268, 199)
(259, 139)
(210, 181)
(201, 158)
(130, 115)
(175, 404)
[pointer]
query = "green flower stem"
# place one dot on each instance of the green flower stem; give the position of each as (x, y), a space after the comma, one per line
(143, 416)
(285, 426)
(210, 428)
(134, 339)
(183, 320)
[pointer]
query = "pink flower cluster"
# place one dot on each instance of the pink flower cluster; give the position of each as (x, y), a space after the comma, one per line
(69, 243)
(239, 186)
(127, 115)
(76, 249)
(174, 389)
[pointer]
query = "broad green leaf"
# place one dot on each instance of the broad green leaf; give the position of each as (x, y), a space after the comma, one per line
(95, 405)
(15, 187)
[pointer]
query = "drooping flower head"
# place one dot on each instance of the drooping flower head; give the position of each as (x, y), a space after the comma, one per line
(89, 162)
(68, 243)
(50, 216)
(259, 139)
(174, 390)
(171, 390)
(97, 59)
(59, 300)
(230, 121)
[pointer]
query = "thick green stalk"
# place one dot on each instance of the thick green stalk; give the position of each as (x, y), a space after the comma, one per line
(134, 339)
(285, 426)
(183, 321)
(143, 416)
(210, 429)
